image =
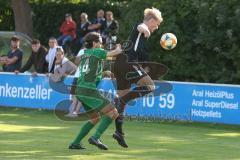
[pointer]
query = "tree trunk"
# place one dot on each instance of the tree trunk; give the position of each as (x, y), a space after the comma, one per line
(22, 16)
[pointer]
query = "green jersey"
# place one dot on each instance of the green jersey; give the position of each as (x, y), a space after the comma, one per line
(90, 68)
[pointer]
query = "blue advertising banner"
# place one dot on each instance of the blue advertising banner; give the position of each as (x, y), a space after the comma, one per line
(193, 101)
(186, 101)
(28, 91)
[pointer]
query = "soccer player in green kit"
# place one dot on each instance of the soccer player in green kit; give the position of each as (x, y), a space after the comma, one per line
(90, 74)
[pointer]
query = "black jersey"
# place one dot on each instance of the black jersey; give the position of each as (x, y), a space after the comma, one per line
(138, 52)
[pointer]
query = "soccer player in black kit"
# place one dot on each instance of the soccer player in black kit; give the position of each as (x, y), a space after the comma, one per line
(128, 71)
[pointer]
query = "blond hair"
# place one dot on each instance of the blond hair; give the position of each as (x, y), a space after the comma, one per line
(150, 13)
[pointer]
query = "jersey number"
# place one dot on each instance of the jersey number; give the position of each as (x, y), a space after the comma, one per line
(85, 68)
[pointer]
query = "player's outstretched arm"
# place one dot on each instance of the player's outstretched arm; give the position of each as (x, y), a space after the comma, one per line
(115, 52)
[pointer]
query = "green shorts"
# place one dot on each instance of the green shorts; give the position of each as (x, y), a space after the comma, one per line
(91, 99)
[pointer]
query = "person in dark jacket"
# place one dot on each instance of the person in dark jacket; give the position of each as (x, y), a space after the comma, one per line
(97, 24)
(37, 58)
(82, 28)
(110, 28)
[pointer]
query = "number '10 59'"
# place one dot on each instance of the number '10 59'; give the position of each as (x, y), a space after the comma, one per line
(163, 101)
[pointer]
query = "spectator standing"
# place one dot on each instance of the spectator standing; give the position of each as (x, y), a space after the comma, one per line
(64, 67)
(50, 57)
(76, 104)
(13, 60)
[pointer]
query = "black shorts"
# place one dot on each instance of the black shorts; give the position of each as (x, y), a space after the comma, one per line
(127, 73)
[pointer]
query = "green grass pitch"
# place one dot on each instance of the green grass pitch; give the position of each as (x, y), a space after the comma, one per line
(34, 134)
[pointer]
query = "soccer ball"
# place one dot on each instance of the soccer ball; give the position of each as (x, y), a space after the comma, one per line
(168, 41)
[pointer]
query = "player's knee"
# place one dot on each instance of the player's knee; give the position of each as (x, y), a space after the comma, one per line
(151, 87)
(95, 120)
(148, 83)
(113, 114)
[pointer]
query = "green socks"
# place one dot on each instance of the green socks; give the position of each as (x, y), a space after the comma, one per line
(83, 132)
(104, 124)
